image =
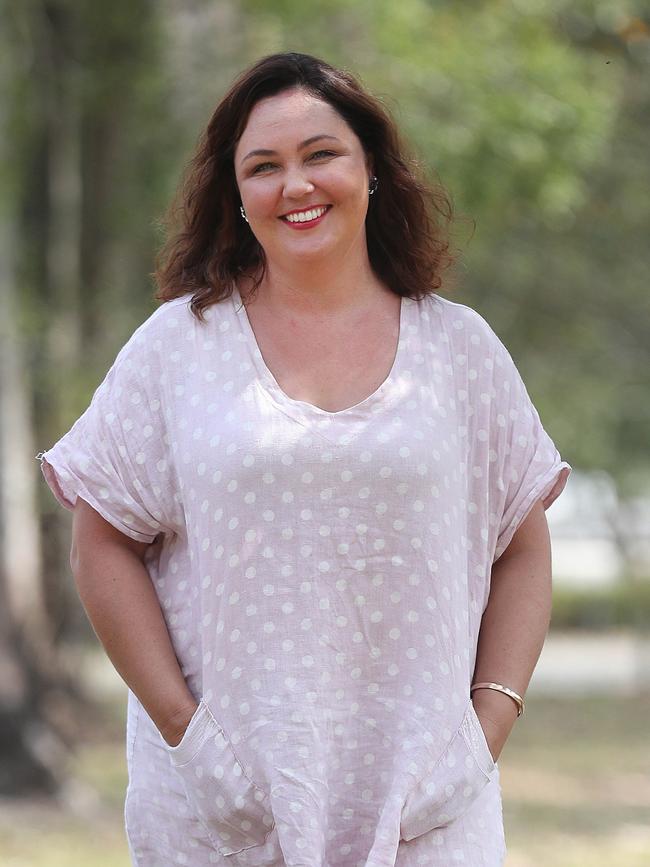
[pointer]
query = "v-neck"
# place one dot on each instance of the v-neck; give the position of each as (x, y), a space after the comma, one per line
(382, 394)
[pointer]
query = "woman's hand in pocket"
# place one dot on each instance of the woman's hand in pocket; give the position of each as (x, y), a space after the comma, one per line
(497, 714)
(175, 727)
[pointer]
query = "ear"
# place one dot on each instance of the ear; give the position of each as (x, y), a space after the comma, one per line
(370, 164)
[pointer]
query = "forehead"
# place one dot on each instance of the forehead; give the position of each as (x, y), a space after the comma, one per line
(289, 117)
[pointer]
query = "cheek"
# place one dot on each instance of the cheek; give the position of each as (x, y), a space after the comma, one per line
(351, 186)
(258, 198)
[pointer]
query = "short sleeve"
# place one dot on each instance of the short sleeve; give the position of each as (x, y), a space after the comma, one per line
(512, 462)
(116, 455)
(525, 465)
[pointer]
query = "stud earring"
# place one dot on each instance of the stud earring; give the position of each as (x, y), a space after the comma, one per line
(374, 183)
(243, 212)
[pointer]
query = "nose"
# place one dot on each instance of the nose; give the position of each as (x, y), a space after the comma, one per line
(296, 184)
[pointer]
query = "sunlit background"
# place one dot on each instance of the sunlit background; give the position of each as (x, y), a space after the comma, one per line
(535, 114)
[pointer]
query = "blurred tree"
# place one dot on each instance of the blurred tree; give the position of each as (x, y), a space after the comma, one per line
(30, 681)
(579, 324)
(83, 103)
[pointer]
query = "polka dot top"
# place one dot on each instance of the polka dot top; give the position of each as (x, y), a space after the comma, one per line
(323, 577)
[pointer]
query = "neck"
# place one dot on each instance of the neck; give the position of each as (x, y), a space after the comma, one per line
(326, 288)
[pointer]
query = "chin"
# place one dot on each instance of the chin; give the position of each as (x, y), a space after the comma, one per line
(306, 253)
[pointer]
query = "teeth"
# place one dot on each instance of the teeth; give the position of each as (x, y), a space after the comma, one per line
(305, 216)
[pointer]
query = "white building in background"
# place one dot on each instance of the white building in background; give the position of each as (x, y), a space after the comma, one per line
(581, 523)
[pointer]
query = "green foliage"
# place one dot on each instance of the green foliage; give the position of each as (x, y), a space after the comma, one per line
(493, 96)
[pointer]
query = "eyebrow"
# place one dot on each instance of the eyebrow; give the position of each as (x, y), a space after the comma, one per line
(263, 152)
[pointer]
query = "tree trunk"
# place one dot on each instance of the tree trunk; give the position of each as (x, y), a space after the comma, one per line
(40, 704)
(32, 747)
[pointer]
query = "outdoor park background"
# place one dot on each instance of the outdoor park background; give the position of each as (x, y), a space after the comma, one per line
(535, 116)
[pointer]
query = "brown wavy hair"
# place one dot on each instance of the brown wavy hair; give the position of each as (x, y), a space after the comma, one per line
(208, 243)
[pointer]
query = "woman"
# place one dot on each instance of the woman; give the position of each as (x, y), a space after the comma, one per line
(309, 508)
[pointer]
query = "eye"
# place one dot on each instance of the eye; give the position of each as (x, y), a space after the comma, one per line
(260, 166)
(323, 153)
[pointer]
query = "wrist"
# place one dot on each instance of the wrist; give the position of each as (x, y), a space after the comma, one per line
(497, 714)
(175, 726)
(498, 706)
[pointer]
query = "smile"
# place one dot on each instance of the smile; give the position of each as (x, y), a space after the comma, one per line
(306, 218)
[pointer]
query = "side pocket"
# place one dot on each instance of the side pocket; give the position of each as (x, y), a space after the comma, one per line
(132, 721)
(475, 736)
(452, 784)
(235, 812)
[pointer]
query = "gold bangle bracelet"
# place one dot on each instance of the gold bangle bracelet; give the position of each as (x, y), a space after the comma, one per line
(499, 687)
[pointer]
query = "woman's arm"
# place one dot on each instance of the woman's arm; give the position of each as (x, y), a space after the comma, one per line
(514, 625)
(121, 603)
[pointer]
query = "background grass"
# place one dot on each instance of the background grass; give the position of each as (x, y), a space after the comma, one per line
(575, 775)
(576, 783)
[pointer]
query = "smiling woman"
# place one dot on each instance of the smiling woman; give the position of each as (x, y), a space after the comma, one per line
(336, 483)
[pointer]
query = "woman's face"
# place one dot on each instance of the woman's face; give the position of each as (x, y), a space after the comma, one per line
(303, 179)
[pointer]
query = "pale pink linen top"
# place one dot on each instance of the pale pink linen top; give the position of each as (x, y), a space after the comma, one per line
(323, 577)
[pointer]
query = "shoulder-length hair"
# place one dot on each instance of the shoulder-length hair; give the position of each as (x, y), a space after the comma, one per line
(208, 243)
